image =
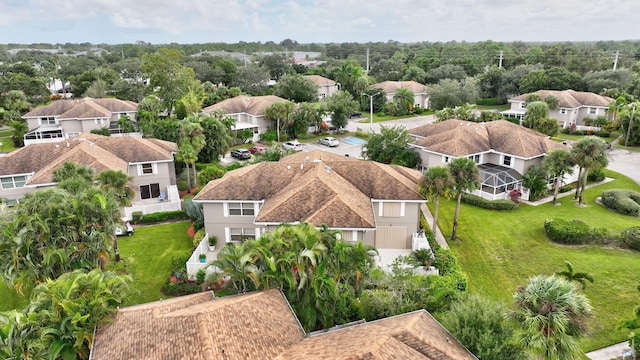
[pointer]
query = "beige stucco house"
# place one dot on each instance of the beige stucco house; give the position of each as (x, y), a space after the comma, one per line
(420, 95)
(366, 201)
(503, 151)
(326, 87)
(247, 111)
(573, 106)
(66, 118)
(148, 162)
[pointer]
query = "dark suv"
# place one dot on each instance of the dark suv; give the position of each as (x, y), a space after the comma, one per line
(241, 154)
(355, 114)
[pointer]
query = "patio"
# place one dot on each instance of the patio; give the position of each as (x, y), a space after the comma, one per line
(496, 181)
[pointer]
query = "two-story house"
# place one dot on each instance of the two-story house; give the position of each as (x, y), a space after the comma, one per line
(503, 151)
(148, 162)
(64, 119)
(326, 87)
(366, 201)
(420, 95)
(573, 106)
(247, 111)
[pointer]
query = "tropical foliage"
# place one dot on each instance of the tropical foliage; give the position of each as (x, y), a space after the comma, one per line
(389, 146)
(466, 177)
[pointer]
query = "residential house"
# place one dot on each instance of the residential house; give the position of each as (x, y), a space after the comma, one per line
(247, 111)
(261, 325)
(366, 201)
(420, 95)
(149, 163)
(573, 106)
(502, 150)
(64, 119)
(326, 87)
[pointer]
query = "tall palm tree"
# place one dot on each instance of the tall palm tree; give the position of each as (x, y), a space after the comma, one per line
(437, 183)
(558, 163)
(238, 262)
(117, 183)
(187, 155)
(589, 152)
(404, 98)
(466, 177)
(552, 314)
(579, 277)
(281, 113)
(192, 133)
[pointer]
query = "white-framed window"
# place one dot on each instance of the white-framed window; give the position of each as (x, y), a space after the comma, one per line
(241, 209)
(150, 191)
(99, 121)
(446, 159)
(506, 160)
(523, 105)
(147, 169)
(593, 111)
(563, 111)
(12, 182)
(48, 120)
(240, 235)
(72, 134)
(475, 158)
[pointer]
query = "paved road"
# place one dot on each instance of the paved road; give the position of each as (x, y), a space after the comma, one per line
(625, 162)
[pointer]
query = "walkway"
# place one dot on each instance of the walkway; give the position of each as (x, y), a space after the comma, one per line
(548, 199)
(439, 237)
(616, 351)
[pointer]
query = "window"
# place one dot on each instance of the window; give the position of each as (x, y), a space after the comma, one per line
(147, 169)
(12, 182)
(475, 158)
(506, 160)
(99, 121)
(593, 111)
(445, 159)
(523, 105)
(563, 111)
(238, 235)
(149, 191)
(48, 120)
(241, 209)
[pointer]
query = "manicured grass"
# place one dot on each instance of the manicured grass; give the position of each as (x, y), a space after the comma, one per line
(501, 250)
(147, 255)
(7, 142)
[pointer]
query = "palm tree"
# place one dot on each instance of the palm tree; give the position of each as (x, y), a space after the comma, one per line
(552, 314)
(117, 183)
(404, 98)
(535, 179)
(589, 152)
(281, 113)
(191, 133)
(466, 177)
(187, 155)
(70, 171)
(437, 183)
(580, 277)
(536, 111)
(558, 163)
(238, 262)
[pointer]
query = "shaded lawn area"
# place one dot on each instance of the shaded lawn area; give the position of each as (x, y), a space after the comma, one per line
(501, 250)
(366, 117)
(147, 256)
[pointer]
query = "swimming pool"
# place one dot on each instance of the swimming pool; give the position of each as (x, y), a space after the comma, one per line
(353, 140)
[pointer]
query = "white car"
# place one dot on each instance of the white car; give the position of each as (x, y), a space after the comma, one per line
(293, 145)
(329, 141)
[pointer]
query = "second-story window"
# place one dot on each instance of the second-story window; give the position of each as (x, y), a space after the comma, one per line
(242, 209)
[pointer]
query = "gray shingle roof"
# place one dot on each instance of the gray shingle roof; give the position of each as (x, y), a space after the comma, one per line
(253, 105)
(83, 108)
(391, 87)
(319, 80)
(570, 98)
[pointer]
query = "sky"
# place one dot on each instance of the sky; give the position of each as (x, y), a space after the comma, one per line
(305, 21)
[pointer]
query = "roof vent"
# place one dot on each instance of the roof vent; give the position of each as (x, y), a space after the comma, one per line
(288, 167)
(301, 166)
(68, 144)
(327, 168)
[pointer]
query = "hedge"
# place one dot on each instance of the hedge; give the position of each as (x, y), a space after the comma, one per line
(573, 231)
(622, 201)
(160, 217)
(630, 238)
(488, 204)
(596, 175)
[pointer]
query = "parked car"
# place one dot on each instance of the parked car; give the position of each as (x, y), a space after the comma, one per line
(124, 229)
(329, 141)
(293, 145)
(355, 114)
(241, 154)
(257, 148)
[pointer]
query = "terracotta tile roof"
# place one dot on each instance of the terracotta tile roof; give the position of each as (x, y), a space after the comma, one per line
(257, 325)
(96, 151)
(326, 188)
(253, 105)
(415, 335)
(391, 87)
(460, 138)
(570, 98)
(86, 108)
(319, 80)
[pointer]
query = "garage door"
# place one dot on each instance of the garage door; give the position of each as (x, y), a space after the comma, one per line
(391, 237)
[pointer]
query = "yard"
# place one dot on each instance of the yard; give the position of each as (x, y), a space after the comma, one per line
(500, 250)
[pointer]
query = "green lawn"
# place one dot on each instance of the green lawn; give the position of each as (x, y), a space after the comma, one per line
(147, 255)
(500, 250)
(7, 142)
(366, 117)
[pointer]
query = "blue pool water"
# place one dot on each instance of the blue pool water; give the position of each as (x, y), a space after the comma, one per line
(353, 140)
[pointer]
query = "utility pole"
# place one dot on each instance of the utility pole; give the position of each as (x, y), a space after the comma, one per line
(501, 57)
(370, 110)
(615, 61)
(367, 60)
(633, 113)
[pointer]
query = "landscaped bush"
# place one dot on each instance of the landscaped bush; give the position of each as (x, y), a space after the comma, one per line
(573, 232)
(566, 188)
(489, 102)
(163, 216)
(488, 204)
(596, 175)
(136, 216)
(630, 238)
(362, 135)
(602, 133)
(198, 237)
(622, 201)
(180, 288)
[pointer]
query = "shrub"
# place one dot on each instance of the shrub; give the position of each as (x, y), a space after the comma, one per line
(180, 288)
(630, 238)
(566, 188)
(488, 204)
(602, 133)
(622, 201)
(164, 216)
(101, 131)
(362, 135)
(136, 216)
(573, 232)
(182, 185)
(198, 237)
(489, 102)
(595, 175)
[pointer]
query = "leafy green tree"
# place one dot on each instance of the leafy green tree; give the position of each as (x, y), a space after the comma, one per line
(437, 183)
(217, 130)
(252, 79)
(190, 103)
(536, 111)
(72, 171)
(558, 163)
(414, 73)
(590, 152)
(552, 314)
(452, 93)
(296, 88)
(389, 146)
(464, 112)
(629, 121)
(534, 81)
(20, 128)
(490, 83)
(118, 184)
(466, 177)
(535, 179)
(446, 71)
(192, 140)
(340, 105)
(281, 113)
(305, 115)
(481, 326)
(276, 64)
(579, 277)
